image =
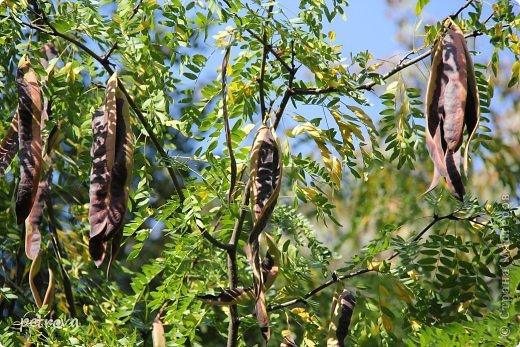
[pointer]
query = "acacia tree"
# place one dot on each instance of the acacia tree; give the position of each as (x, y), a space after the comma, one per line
(344, 209)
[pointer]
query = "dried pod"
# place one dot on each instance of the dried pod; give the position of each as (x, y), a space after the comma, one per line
(111, 174)
(270, 260)
(9, 145)
(265, 176)
(49, 294)
(50, 53)
(230, 297)
(451, 102)
(99, 187)
(33, 221)
(158, 339)
(29, 138)
(342, 309)
(288, 341)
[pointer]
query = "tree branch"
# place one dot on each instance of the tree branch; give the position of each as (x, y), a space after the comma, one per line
(269, 47)
(114, 45)
(336, 278)
(289, 92)
(265, 51)
(234, 319)
(461, 9)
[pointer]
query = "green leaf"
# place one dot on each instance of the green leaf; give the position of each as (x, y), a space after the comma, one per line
(420, 5)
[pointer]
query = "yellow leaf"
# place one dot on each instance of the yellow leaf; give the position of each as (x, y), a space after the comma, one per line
(412, 274)
(375, 66)
(332, 36)
(384, 291)
(336, 173)
(387, 323)
(309, 193)
(416, 325)
(247, 128)
(402, 293)
(464, 306)
(374, 265)
(363, 117)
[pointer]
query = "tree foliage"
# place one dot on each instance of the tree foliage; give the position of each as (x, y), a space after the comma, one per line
(200, 79)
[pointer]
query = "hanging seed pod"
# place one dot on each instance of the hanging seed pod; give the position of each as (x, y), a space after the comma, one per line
(49, 294)
(270, 260)
(451, 102)
(342, 309)
(34, 220)
(9, 145)
(265, 176)
(288, 341)
(111, 174)
(99, 187)
(29, 138)
(158, 339)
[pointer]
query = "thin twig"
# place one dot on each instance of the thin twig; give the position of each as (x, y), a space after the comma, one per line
(110, 51)
(289, 92)
(265, 51)
(461, 9)
(234, 319)
(262, 41)
(16, 287)
(114, 45)
(229, 143)
(372, 84)
(335, 278)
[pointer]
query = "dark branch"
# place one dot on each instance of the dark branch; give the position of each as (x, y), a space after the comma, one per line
(453, 16)
(289, 92)
(234, 319)
(265, 51)
(114, 45)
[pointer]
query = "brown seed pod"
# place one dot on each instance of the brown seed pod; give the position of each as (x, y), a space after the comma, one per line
(9, 145)
(49, 293)
(229, 297)
(341, 313)
(29, 138)
(451, 102)
(265, 176)
(111, 174)
(33, 221)
(288, 341)
(158, 339)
